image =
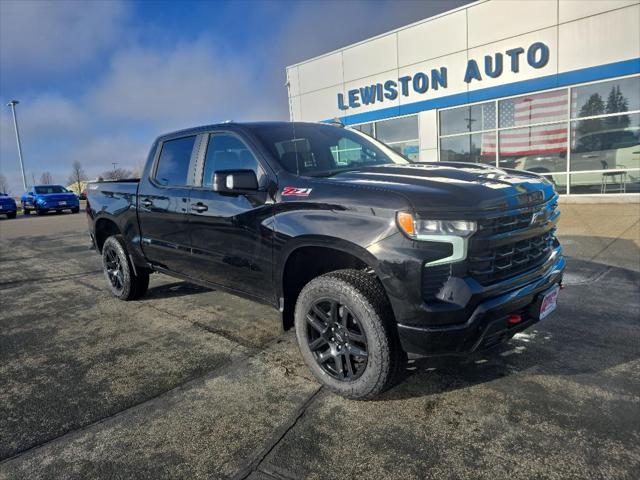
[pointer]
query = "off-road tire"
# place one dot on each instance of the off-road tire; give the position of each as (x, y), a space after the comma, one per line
(363, 294)
(133, 286)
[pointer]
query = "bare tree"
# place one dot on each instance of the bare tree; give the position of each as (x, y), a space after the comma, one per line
(77, 176)
(46, 178)
(117, 174)
(4, 184)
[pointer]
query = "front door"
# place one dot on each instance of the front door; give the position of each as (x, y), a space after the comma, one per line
(230, 237)
(163, 204)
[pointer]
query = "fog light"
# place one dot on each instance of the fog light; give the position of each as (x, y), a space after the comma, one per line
(514, 319)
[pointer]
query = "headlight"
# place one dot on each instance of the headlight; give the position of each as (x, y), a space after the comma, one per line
(455, 232)
(418, 229)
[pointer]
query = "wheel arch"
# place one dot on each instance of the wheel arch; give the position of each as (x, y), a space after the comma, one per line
(306, 258)
(103, 229)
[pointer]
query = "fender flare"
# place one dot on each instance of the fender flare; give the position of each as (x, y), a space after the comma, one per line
(321, 241)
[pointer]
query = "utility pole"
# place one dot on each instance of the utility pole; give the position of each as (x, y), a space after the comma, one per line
(114, 165)
(13, 104)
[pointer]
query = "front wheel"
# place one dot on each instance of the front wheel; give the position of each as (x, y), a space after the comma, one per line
(75, 209)
(123, 282)
(11, 215)
(346, 334)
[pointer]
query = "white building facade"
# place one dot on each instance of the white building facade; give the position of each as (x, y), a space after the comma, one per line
(550, 86)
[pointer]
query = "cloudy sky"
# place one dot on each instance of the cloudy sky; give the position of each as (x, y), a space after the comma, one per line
(98, 80)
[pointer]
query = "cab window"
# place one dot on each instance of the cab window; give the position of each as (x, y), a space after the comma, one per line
(173, 164)
(227, 152)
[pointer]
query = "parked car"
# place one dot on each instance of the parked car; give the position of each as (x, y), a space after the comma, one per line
(7, 206)
(45, 198)
(367, 255)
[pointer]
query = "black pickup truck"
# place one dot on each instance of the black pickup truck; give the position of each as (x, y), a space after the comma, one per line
(369, 256)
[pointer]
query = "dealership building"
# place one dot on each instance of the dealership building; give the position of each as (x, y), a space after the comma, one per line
(550, 86)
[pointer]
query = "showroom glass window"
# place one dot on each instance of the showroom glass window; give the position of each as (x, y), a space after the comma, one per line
(605, 137)
(533, 132)
(583, 138)
(174, 160)
(401, 134)
(468, 134)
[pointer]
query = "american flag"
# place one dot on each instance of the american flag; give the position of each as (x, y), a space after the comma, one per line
(525, 110)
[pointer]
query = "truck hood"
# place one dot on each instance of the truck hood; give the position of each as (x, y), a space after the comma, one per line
(452, 187)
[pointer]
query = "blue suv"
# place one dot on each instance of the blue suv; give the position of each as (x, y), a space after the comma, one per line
(43, 198)
(7, 205)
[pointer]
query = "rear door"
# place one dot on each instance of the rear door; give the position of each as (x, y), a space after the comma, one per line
(163, 202)
(230, 235)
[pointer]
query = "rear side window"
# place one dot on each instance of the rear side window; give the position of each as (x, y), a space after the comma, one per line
(227, 152)
(173, 164)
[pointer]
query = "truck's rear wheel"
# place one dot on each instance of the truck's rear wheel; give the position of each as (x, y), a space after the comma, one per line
(346, 335)
(123, 282)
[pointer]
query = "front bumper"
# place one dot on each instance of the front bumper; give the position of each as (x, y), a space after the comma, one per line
(488, 323)
(57, 206)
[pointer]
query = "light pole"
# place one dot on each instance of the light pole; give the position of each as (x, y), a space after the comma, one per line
(13, 104)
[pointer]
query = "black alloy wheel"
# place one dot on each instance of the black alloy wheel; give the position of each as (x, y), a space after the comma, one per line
(336, 339)
(347, 334)
(113, 268)
(125, 282)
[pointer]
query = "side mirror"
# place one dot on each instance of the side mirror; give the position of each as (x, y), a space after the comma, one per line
(235, 182)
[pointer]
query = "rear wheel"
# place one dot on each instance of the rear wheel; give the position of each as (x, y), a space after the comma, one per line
(11, 215)
(346, 334)
(75, 209)
(123, 281)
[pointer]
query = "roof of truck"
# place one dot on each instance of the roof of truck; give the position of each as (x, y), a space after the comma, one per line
(231, 125)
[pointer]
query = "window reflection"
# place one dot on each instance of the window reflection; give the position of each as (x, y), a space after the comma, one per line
(617, 96)
(610, 181)
(531, 109)
(468, 119)
(476, 148)
(606, 143)
(539, 149)
(397, 129)
(365, 128)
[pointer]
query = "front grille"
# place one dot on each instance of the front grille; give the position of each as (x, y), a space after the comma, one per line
(495, 264)
(433, 279)
(516, 221)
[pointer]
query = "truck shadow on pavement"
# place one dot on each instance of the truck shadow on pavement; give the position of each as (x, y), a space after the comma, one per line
(173, 290)
(592, 337)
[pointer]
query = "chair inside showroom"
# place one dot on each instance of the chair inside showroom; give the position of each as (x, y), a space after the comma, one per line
(618, 179)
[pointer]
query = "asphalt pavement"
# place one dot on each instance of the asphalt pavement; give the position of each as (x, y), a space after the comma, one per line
(194, 383)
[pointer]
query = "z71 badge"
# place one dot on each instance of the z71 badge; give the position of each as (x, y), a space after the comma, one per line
(296, 192)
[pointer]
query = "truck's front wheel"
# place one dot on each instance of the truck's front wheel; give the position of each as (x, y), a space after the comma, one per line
(346, 334)
(121, 277)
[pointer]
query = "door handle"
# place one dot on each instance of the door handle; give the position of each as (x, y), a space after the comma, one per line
(146, 203)
(199, 207)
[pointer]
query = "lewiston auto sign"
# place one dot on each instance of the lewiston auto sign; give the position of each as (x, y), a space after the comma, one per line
(492, 66)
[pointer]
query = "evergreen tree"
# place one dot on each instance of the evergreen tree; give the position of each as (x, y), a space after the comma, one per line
(585, 141)
(616, 103)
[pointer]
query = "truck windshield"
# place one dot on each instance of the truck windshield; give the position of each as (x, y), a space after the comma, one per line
(324, 150)
(45, 189)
